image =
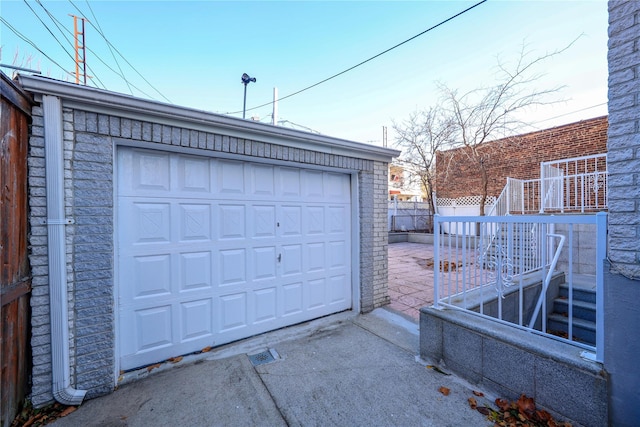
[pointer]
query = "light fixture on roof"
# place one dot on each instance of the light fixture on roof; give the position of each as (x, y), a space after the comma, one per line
(246, 80)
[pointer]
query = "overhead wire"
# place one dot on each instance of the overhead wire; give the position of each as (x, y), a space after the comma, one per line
(27, 40)
(58, 25)
(60, 28)
(366, 60)
(95, 18)
(50, 32)
(125, 59)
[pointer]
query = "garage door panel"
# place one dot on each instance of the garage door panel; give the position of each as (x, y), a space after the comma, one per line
(312, 185)
(264, 263)
(289, 183)
(263, 221)
(195, 222)
(338, 255)
(151, 223)
(291, 221)
(338, 219)
(314, 223)
(196, 319)
(151, 276)
(232, 222)
(292, 298)
(336, 289)
(233, 311)
(223, 250)
(232, 266)
(194, 175)
(266, 305)
(231, 177)
(291, 259)
(195, 271)
(315, 257)
(262, 180)
(315, 293)
(153, 328)
(150, 172)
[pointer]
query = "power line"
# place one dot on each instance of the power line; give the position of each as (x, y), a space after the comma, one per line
(26, 39)
(62, 27)
(125, 59)
(58, 25)
(569, 113)
(367, 60)
(108, 45)
(49, 30)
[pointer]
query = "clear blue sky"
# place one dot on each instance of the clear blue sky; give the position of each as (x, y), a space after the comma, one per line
(194, 53)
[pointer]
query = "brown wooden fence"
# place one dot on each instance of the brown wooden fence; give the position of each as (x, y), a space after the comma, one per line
(15, 280)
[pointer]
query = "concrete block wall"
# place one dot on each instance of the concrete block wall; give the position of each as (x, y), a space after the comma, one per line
(89, 146)
(583, 247)
(509, 361)
(622, 270)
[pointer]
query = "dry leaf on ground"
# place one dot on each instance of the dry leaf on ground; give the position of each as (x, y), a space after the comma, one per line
(473, 403)
(444, 390)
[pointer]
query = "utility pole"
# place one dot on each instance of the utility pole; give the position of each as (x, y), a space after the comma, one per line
(274, 116)
(80, 49)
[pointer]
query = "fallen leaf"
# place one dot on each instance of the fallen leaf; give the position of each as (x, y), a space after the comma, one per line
(444, 391)
(473, 403)
(152, 367)
(67, 411)
(206, 349)
(484, 410)
(526, 405)
(502, 404)
(478, 393)
(174, 359)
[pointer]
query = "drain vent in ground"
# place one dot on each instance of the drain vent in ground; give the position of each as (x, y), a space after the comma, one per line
(261, 358)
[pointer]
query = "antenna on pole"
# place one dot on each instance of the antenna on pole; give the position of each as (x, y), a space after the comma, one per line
(274, 116)
(384, 136)
(246, 80)
(80, 49)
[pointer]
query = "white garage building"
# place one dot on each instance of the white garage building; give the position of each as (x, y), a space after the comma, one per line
(157, 231)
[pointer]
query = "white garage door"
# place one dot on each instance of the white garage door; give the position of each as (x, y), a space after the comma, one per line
(213, 250)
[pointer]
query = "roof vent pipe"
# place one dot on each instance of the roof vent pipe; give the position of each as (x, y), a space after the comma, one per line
(54, 166)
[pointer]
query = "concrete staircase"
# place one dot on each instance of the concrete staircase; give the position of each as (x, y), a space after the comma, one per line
(584, 312)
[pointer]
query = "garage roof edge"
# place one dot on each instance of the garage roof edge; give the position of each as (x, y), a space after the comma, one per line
(99, 100)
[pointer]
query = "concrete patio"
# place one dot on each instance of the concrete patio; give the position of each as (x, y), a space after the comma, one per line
(410, 279)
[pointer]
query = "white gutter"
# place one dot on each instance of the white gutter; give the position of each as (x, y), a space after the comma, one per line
(54, 166)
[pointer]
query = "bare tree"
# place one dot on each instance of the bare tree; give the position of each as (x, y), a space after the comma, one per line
(419, 137)
(468, 121)
(492, 113)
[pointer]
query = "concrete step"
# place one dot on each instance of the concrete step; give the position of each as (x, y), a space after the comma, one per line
(579, 293)
(581, 309)
(583, 330)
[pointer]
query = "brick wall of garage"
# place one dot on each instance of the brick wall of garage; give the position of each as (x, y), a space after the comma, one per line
(89, 140)
(517, 157)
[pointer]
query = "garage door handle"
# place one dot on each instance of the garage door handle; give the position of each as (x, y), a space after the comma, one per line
(279, 257)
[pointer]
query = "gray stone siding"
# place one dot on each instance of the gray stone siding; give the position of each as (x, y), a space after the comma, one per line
(623, 159)
(622, 270)
(89, 148)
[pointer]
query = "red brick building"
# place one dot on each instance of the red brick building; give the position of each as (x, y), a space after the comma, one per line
(517, 157)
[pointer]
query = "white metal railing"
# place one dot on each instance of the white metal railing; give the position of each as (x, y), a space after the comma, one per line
(508, 278)
(578, 184)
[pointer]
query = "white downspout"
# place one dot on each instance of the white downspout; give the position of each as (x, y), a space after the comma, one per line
(54, 166)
